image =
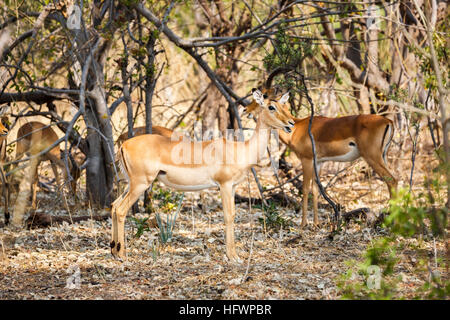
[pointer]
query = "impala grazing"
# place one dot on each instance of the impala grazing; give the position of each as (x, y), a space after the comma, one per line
(33, 138)
(342, 139)
(193, 166)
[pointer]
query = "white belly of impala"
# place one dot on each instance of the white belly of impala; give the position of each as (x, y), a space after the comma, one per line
(353, 154)
(186, 179)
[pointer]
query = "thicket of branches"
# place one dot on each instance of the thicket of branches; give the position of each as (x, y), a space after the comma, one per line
(357, 57)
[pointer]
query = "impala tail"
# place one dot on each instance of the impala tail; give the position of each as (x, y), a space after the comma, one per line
(387, 139)
(121, 160)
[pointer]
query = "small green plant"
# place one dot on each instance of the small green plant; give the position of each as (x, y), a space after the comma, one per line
(272, 217)
(166, 231)
(409, 216)
(166, 200)
(141, 226)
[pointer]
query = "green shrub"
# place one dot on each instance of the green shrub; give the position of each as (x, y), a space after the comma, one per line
(423, 216)
(272, 218)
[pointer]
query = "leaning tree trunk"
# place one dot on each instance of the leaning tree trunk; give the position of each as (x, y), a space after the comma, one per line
(100, 168)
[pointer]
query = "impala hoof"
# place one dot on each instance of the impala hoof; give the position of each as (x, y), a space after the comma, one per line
(234, 258)
(237, 260)
(117, 251)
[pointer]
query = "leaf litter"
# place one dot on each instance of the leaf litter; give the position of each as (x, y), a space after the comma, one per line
(284, 264)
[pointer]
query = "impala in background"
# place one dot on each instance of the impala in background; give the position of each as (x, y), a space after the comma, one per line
(342, 139)
(33, 138)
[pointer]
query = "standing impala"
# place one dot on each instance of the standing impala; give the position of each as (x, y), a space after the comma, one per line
(194, 166)
(341, 139)
(141, 130)
(33, 138)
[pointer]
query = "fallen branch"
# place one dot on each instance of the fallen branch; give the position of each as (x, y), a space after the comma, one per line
(355, 214)
(43, 220)
(280, 198)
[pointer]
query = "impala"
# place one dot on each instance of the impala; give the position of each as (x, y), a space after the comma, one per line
(141, 130)
(342, 139)
(162, 131)
(194, 166)
(32, 139)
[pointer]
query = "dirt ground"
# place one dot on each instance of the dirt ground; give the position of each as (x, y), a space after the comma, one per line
(73, 261)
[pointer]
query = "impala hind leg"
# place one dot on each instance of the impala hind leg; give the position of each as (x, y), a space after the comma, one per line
(60, 182)
(119, 212)
(34, 182)
(375, 159)
(378, 166)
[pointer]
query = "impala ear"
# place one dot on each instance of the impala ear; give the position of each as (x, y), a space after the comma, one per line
(284, 98)
(258, 96)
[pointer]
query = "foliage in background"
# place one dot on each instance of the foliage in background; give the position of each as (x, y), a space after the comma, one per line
(420, 217)
(289, 52)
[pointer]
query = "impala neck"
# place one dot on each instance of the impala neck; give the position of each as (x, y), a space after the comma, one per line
(257, 144)
(285, 137)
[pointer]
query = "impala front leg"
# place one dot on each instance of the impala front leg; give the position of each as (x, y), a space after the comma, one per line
(119, 212)
(307, 181)
(227, 193)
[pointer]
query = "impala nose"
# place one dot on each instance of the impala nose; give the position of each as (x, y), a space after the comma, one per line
(287, 129)
(292, 123)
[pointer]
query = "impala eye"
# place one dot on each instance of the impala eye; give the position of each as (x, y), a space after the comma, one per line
(272, 108)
